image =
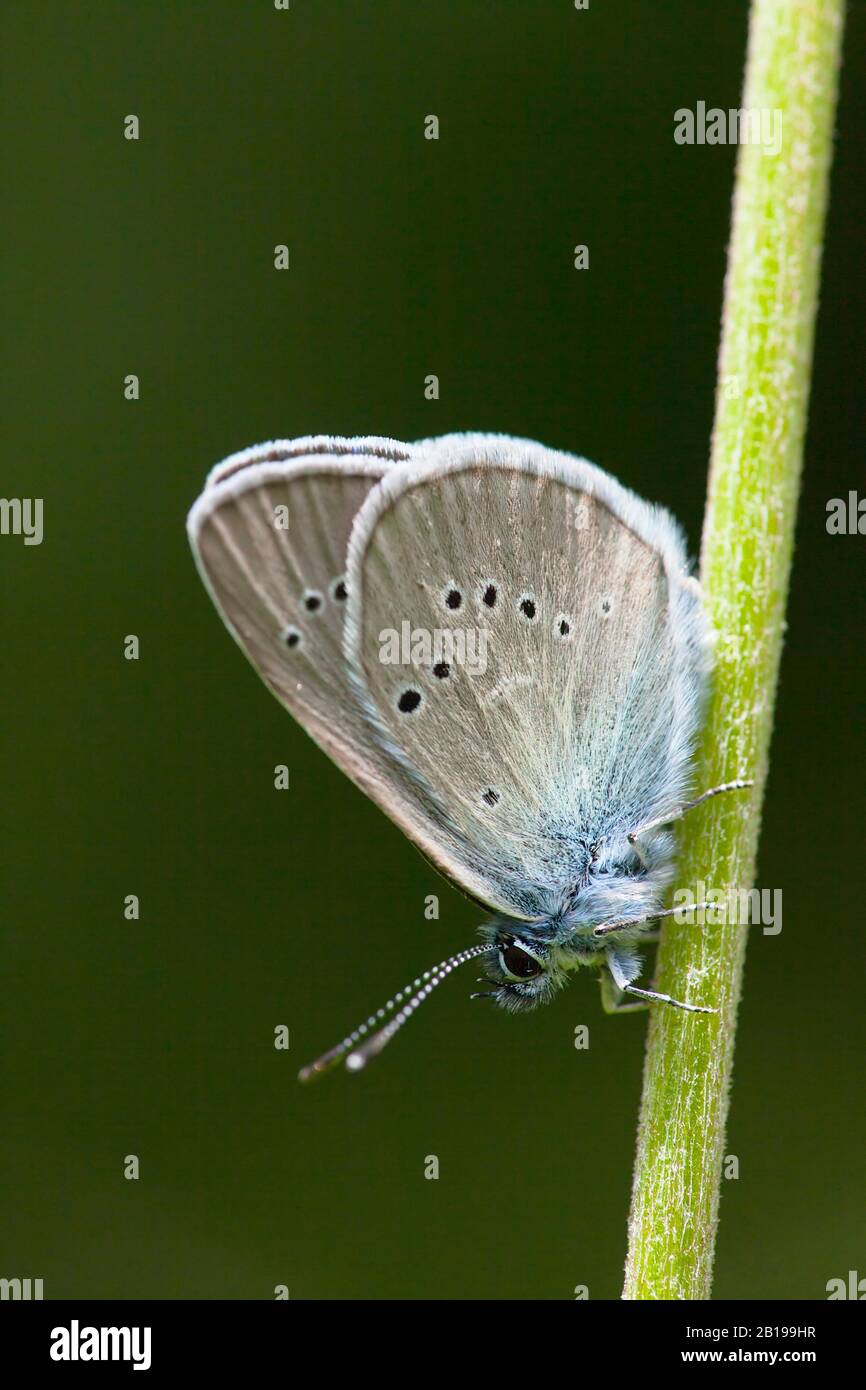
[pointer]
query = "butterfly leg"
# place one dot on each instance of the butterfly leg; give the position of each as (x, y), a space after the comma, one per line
(613, 1000)
(653, 997)
(679, 811)
(620, 969)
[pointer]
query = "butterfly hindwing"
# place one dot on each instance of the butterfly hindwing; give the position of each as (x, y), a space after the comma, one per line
(269, 534)
(310, 447)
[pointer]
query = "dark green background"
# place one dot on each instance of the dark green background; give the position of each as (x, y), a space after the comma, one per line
(155, 778)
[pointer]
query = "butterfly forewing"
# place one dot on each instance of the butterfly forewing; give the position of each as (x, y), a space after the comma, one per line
(559, 591)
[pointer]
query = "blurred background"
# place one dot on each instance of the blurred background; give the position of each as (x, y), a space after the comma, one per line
(306, 908)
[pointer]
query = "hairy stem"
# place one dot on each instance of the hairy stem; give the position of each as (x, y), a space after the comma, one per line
(761, 400)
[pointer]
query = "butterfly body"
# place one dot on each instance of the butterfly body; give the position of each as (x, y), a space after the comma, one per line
(503, 648)
(617, 884)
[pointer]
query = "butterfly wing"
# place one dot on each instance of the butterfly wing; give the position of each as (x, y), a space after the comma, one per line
(572, 709)
(269, 534)
(312, 446)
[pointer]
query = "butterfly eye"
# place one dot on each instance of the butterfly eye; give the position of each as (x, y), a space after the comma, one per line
(519, 963)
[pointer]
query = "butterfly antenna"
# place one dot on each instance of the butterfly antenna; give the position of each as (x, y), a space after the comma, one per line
(362, 1044)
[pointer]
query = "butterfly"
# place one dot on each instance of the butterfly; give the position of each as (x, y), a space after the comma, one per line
(505, 649)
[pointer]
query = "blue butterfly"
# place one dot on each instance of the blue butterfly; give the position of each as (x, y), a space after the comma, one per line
(504, 648)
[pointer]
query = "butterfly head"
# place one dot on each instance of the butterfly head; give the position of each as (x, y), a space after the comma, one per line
(522, 970)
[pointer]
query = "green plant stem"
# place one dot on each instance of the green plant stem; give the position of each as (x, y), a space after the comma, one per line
(761, 400)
